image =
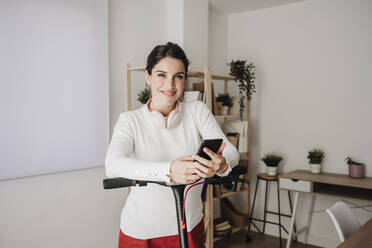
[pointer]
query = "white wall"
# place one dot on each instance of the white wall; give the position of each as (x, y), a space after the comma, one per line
(217, 45)
(313, 61)
(53, 98)
(68, 209)
(135, 28)
(175, 21)
(196, 33)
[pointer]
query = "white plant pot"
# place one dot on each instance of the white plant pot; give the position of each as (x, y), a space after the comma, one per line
(225, 110)
(272, 171)
(315, 168)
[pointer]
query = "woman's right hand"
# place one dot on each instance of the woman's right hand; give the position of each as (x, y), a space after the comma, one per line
(184, 171)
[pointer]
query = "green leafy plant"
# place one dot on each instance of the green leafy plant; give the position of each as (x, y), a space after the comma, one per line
(245, 76)
(315, 156)
(144, 95)
(350, 161)
(225, 99)
(271, 159)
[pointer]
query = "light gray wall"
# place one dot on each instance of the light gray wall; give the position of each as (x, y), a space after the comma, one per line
(313, 82)
(196, 33)
(53, 86)
(217, 46)
(68, 209)
(135, 28)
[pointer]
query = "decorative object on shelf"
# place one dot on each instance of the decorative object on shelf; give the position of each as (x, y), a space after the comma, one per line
(226, 102)
(356, 169)
(218, 109)
(144, 95)
(245, 77)
(315, 157)
(272, 161)
(233, 137)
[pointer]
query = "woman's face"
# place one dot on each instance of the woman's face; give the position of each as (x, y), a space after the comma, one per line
(167, 81)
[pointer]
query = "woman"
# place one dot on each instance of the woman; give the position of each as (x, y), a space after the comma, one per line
(158, 142)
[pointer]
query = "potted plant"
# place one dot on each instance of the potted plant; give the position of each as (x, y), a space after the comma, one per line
(226, 102)
(315, 157)
(144, 95)
(244, 76)
(356, 169)
(272, 161)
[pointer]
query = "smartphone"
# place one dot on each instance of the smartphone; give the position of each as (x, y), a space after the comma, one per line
(212, 144)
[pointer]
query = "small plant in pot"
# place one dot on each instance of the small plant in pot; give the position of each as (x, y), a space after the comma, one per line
(227, 102)
(272, 161)
(144, 95)
(315, 157)
(356, 169)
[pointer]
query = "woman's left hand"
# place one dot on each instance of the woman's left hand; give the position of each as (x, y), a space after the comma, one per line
(217, 163)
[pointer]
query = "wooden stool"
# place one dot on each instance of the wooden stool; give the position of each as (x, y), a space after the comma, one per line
(267, 178)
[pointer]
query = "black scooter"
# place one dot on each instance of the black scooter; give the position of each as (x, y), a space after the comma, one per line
(230, 182)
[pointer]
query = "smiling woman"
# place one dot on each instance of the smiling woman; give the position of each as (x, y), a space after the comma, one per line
(158, 142)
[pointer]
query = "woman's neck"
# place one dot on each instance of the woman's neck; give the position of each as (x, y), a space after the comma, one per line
(163, 109)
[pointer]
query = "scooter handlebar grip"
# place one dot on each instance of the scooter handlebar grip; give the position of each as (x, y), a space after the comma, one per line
(119, 182)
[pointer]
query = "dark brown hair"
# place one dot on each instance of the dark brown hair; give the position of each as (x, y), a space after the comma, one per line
(169, 50)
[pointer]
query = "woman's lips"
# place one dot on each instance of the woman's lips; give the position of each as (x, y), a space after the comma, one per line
(168, 93)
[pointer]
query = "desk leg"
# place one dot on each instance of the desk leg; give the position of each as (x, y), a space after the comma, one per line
(289, 239)
(309, 217)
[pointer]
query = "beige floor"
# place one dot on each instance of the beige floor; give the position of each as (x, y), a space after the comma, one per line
(237, 240)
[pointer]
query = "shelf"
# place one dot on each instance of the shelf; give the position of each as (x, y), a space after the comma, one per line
(194, 74)
(198, 74)
(226, 116)
(137, 69)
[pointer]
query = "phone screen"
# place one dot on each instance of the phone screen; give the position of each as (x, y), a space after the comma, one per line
(212, 144)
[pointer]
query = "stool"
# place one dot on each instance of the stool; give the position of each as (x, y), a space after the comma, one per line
(268, 179)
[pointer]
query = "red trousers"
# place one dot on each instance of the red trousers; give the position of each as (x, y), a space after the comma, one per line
(196, 240)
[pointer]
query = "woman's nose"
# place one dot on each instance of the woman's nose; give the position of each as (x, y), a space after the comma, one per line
(170, 82)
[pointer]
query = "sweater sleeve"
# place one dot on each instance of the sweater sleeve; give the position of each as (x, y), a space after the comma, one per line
(119, 163)
(209, 129)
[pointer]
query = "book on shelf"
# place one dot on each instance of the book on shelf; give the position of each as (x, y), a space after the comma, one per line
(241, 127)
(222, 228)
(233, 137)
(200, 87)
(190, 96)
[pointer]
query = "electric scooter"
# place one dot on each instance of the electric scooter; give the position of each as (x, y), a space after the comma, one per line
(230, 182)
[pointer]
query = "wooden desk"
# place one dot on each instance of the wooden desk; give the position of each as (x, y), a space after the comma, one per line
(302, 181)
(362, 238)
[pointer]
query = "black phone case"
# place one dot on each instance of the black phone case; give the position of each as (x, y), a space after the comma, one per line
(212, 144)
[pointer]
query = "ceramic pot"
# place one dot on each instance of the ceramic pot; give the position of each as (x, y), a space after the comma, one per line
(315, 168)
(225, 109)
(357, 171)
(272, 170)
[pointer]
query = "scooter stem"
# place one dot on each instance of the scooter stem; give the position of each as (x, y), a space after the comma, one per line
(178, 191)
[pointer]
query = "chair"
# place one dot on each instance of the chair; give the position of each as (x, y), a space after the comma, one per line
(344, 220)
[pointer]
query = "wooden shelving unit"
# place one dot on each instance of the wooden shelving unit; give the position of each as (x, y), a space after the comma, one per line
(207, 76)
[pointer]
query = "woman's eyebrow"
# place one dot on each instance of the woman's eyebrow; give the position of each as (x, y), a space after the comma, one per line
(181, 72)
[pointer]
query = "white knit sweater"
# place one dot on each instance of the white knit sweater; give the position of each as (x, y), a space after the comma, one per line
(140, 150)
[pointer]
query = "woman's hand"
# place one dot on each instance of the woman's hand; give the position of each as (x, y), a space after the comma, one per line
(217, 164)
(184, 171)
